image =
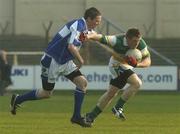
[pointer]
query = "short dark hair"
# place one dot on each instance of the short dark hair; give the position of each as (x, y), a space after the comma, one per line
(91, 13)
(133, 32)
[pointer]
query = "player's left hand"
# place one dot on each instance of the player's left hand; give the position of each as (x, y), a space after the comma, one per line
(131, 61)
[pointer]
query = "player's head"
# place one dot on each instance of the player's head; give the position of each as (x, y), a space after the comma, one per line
(92, 17)
(133, 37)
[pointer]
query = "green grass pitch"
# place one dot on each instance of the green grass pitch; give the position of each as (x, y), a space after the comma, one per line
(147, 113)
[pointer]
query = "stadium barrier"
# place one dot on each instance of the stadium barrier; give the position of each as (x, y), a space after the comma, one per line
(18, 53)
(154, 78)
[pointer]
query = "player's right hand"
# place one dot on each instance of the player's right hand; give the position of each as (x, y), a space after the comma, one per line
(131, 61)
(80, 63)
(83, 37)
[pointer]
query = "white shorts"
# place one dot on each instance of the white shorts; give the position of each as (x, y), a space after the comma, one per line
(51, 70)
(116, 67)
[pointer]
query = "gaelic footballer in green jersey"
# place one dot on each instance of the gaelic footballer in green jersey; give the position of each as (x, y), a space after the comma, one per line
(121, 71)
(119, 43)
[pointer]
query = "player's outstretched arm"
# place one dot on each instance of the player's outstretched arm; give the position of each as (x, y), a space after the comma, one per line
(94, 36)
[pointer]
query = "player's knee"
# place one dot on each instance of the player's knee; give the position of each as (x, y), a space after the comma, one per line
(83, 84)
(44, 94)
(137, 84)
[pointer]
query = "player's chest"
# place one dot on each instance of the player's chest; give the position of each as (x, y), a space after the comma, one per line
(120, 48)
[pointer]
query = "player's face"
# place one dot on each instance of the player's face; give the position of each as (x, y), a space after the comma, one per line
(93, 23)
(133, 42)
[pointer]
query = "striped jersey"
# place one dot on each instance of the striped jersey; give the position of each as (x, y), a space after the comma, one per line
(68, 34)
(119, 44)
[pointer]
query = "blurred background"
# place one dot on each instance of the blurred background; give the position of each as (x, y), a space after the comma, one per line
(26, 27)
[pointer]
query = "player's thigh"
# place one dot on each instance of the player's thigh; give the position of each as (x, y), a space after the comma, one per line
(47, 86)
(134, 80)
(120, 76)
(112, 91)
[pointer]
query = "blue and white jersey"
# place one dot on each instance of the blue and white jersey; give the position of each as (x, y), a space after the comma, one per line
(68, 34)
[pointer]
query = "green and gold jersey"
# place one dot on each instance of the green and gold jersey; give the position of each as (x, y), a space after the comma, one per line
(119, 44)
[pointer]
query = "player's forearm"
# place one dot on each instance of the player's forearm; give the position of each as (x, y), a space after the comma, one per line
(145, 62)
(76, 53)
(100, 38)
(94, 36)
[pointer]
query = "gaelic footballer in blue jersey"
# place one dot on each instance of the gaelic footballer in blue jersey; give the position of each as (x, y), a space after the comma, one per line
(121, 70)
(58, 60)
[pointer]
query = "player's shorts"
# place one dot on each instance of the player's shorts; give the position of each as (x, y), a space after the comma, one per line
(51, 70)
(119, 73)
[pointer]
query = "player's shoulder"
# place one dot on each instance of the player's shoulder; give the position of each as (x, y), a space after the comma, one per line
(81, 20)
(78, 24)
(142, 44)
(81, 24)
(71, 22)
(120, 38)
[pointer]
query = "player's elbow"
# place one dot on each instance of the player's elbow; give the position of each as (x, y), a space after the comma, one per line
(148, 62)
(70, 47)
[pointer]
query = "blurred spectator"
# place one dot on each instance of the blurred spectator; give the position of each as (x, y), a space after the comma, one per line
(5, 72)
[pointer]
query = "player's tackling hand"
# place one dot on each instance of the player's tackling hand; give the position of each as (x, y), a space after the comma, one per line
(80, 63)
(93, 36)
(83, 37)
(131, 61)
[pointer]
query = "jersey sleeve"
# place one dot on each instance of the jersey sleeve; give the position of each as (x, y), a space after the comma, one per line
(76, 28)
(74, 34)
(108, 40)
(143, 48)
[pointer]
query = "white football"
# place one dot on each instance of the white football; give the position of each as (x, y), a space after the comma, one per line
(136, 53)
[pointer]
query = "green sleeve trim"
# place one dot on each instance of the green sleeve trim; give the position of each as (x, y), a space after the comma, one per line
(103, 40)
